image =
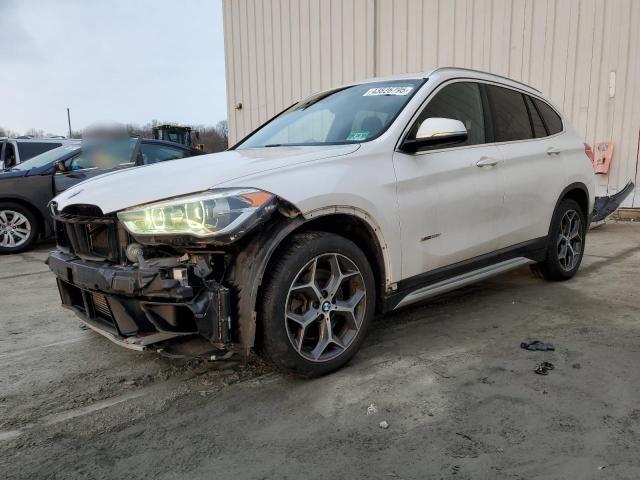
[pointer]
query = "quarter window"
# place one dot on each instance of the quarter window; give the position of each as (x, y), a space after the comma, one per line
(510, 116)
(536, 120)
(459, 101)
(551, 119)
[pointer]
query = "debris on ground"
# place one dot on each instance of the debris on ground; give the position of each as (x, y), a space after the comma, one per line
(537, 345)
(543, 368)
(372, 409)
(384, 425)
(465, 436)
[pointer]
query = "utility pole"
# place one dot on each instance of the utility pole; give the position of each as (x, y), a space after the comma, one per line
(69, 120)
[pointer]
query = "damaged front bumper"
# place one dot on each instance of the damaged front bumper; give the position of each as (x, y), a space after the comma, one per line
(137, 307)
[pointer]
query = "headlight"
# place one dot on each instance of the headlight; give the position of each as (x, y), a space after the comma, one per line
(207, 214)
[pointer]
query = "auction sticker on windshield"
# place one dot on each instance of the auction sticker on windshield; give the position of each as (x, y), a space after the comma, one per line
(373, 92)
(358, 136)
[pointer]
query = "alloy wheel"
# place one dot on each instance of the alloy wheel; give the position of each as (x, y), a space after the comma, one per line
(15, 229)
(325, 307)
(569, 244)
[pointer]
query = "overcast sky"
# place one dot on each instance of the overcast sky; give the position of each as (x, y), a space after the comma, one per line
(129, 61)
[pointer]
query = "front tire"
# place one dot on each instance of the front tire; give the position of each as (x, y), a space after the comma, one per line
(18, 228)
(317, 304)
(565, 243)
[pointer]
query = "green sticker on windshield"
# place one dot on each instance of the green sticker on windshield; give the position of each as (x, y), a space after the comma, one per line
(358, 136)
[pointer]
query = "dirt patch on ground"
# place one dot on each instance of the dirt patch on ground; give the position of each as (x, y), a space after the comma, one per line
(457, 392)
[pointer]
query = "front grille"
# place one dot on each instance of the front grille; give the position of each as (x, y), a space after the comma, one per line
(101, 310)
(95, 237)
(92, 306)
(101, 306)
(83, 210)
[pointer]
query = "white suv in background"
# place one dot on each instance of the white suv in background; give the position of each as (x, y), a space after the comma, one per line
(14, 151)
(352, 202)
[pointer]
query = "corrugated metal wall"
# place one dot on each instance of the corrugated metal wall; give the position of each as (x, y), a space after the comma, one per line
(278, 51)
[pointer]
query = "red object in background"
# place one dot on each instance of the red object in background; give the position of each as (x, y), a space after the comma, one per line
(589, 151)
(603, 156)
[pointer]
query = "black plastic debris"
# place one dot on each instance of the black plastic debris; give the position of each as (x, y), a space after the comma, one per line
(544, 368)
(605, 206)
(537, 345)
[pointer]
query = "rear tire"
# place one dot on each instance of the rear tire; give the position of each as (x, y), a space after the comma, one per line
(19, 228)
(565, 243)
(317, 304)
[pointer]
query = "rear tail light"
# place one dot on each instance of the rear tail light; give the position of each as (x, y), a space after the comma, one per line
(588, 151)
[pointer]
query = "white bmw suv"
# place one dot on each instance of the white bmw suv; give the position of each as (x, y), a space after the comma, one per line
(351, 203)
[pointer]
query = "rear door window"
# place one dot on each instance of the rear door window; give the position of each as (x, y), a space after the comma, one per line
(509, 113)
(28, 150)
(551, 119)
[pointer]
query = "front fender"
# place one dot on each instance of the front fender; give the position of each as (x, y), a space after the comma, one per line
(247, 272)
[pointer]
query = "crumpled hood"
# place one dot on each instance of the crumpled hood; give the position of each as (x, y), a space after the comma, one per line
(136, 186)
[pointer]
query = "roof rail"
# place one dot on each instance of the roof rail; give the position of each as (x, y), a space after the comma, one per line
(439, 69)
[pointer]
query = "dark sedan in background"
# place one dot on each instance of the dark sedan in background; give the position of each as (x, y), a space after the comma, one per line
(26, 189)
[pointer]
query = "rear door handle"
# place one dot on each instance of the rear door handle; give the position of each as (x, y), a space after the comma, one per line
(487, 162)
(553, 151)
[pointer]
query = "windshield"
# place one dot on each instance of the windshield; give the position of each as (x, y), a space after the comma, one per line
(46, 157)
(349, 115)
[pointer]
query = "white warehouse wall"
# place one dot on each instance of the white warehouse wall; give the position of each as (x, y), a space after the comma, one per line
(278, 51)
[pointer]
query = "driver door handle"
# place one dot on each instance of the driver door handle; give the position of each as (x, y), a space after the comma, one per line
(487, 162)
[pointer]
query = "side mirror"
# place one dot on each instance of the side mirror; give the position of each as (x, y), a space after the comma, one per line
(436, 131)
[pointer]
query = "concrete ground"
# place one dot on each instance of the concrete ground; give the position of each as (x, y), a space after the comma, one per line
(458, 393)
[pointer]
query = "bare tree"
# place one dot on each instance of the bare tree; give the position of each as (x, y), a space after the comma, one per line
(223, 128)
(33, 132)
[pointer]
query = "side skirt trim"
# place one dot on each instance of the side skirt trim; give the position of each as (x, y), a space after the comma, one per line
(461, 280)
(531, 251)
